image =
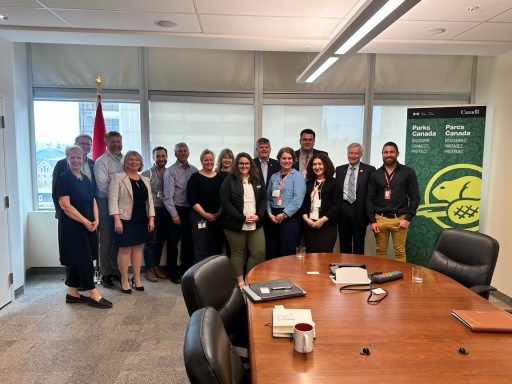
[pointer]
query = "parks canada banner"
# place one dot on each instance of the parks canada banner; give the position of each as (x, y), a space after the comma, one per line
(445, 147)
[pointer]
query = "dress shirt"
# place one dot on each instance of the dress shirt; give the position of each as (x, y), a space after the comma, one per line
(347, 178)
(156, 179)
(264, 168)
(292, 194)
(303, 161)
(405, 194)
(249, 205)
(175, 186)
(106, 165)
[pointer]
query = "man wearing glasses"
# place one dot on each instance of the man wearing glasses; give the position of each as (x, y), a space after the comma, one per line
(306, 150)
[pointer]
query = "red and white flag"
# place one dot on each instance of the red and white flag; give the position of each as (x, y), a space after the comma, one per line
(98, 136)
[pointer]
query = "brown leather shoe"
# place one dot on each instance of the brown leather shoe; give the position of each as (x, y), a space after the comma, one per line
(159, 274)
(150, 275)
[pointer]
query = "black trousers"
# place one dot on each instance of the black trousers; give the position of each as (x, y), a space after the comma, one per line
(284, 237)
(153, 248)
(80, 275)
(204, 239)
(176, 233)
(351, 232)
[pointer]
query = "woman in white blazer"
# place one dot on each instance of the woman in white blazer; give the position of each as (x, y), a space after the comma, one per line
(130, 204)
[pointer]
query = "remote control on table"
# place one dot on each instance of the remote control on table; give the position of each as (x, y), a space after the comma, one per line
(388, 276)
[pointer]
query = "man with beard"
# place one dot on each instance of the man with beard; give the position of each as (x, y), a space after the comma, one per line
(153, 247)
(393, 199)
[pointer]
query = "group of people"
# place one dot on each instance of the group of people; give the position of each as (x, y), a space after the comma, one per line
(251, 209)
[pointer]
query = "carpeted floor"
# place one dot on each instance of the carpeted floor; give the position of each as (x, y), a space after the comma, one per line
(139, 340)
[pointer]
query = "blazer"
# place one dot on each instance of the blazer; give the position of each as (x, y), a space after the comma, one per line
(120, 196)
(273, 167)
(297, 156)
(59, 169)
(232, 201)
(363, 178)
(330, 196)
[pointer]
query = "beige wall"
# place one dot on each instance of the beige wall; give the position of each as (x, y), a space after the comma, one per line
(494, 88)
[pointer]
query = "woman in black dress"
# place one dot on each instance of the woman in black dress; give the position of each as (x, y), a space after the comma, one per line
(322, 205)
(130, 203)
(203, 195)
(78, 242)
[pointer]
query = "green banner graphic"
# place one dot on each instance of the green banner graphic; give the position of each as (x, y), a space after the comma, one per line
(445, 148)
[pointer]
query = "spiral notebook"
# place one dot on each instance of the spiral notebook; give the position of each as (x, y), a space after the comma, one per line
(273, 290)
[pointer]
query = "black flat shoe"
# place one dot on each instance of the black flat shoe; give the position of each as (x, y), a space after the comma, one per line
(140, 289)
(102, 303)
(77, 300)
(176, 279)
(107, 282)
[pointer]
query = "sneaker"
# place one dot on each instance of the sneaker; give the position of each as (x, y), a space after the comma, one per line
(151, 276)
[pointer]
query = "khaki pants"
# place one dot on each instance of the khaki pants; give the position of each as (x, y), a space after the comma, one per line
(239, 241)
(399, 236)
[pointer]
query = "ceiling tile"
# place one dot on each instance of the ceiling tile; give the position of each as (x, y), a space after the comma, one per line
(19, 3)
(413, 30)
(295, 8)
(455, 10)
(30, 17)
(489, 32)
(136, 21)
(269, 26)
(505, 17)
(178, 6)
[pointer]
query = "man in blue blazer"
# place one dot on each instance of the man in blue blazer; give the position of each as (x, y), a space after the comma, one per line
(85, 142)
(353, 220)
(306, 150)
(266, 166)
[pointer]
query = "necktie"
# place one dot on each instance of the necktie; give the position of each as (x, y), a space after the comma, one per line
(351, 191)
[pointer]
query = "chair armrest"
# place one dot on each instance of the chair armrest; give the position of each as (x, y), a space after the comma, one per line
(482, 289)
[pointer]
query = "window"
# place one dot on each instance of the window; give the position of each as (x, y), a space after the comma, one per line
(201, 126)
(57, 123)
(335, 127)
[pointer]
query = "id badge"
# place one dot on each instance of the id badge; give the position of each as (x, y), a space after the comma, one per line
(276, 193)
(317, 204)
(387, 193)
(314, 215)
(279, 201)
(201, 224)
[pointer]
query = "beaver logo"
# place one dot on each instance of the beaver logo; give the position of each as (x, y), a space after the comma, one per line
(457, 189)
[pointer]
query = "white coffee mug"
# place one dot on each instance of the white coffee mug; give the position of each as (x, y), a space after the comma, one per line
(303, 334)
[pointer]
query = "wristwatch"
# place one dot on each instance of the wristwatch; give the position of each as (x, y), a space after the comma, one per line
(285, 215)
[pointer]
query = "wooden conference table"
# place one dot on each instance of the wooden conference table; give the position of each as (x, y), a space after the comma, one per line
(412, 336)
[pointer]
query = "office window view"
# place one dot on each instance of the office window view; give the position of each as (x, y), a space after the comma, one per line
(335, 127)
(201, 126)
(57, 123)
(388, 124)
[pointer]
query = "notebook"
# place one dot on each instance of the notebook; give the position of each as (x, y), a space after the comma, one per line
(284, 320)
(485, 321)
(273, 290)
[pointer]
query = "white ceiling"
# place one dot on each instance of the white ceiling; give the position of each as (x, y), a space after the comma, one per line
(267, 25)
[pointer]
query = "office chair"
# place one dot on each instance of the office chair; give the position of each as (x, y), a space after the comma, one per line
(468, 257)
(209, 356)
(213, 283)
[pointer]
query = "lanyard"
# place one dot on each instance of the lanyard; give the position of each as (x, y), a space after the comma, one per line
(281, 181)
(317, 188)
(389, 177)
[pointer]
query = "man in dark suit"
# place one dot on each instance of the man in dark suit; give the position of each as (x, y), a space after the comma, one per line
(85, 142)
(306, 150)
(266, 166)
(353, 220)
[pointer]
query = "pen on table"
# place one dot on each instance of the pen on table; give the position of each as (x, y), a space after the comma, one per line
(281, 288)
